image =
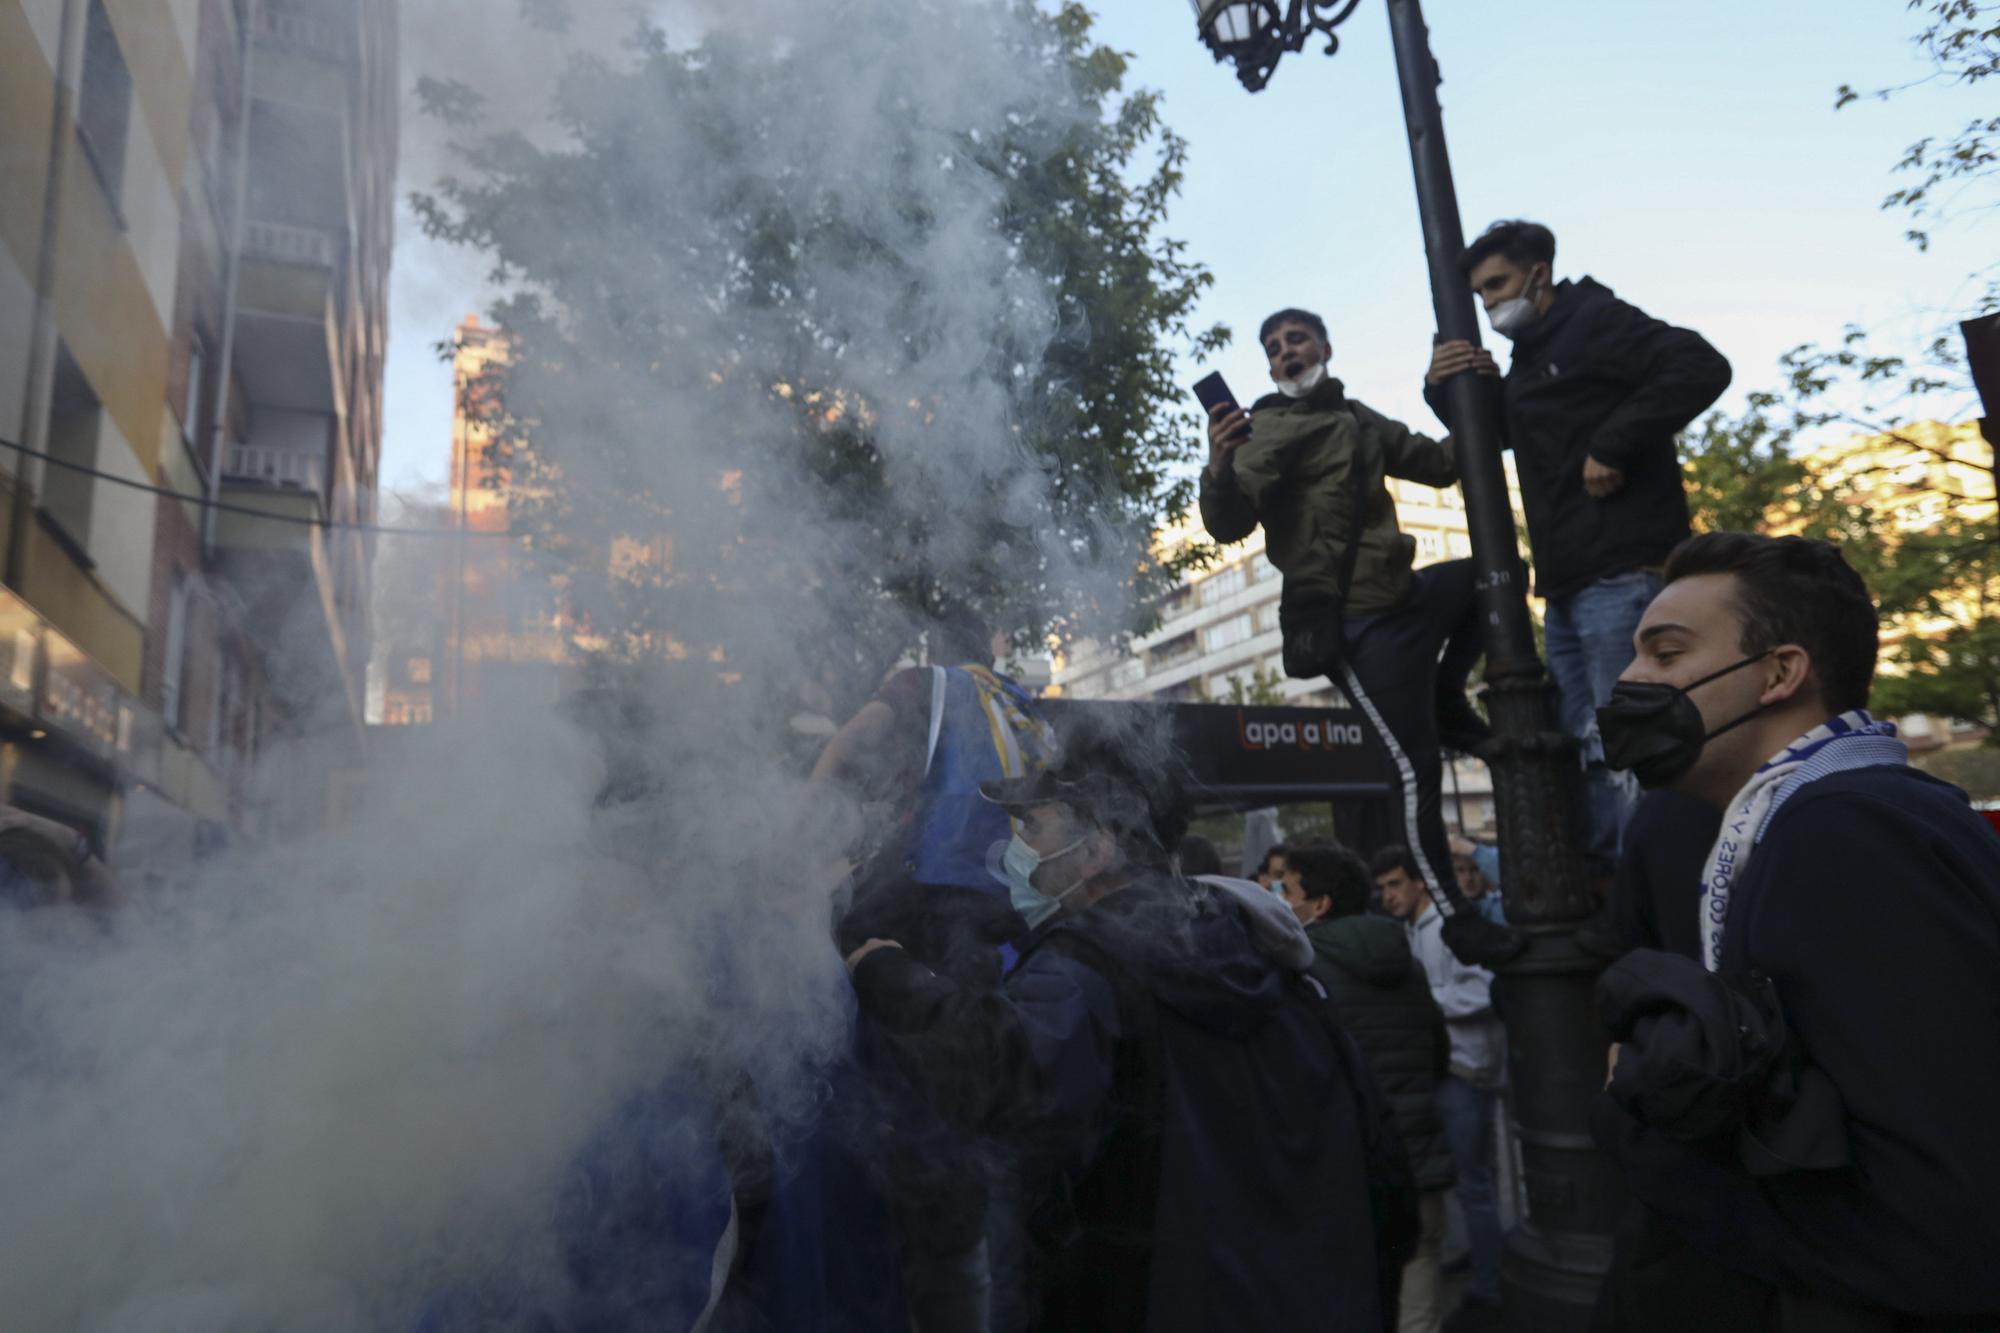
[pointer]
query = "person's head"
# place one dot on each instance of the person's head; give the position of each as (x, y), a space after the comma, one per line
(1273, 869)
(1199, 857)
(1325, 883)
(34, 872)
(1465, 868)
(1511, 261)
(1767, 637)
(1108, 807)
(1395, 872)
(959, 636)
(1294, 343)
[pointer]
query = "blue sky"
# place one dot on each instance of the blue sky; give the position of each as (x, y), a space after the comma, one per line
(1687, 154)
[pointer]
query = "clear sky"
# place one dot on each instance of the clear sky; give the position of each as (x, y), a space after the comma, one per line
(1688, 155)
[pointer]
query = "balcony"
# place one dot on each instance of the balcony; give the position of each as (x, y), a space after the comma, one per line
(314, 35)
(276, 468)
(287, 304)
(283, 243)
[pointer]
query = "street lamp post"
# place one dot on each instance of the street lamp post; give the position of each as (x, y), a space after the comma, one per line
(1557, 1257)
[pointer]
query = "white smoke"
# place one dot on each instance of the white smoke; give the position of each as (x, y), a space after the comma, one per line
(346, 1071)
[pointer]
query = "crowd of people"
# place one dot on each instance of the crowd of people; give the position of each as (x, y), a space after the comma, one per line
(1092, 1083)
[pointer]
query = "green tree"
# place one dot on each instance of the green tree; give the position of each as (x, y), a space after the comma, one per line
(1744, 474)
(1260, 688)
(815, 337)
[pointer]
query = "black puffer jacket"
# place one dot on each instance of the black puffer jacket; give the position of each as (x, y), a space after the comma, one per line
(1379, 988)
(1598, 378)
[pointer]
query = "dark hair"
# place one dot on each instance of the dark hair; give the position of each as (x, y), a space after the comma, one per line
(1128, 780)
(1199, 857)
(1516, 240)
(960, 634)
(1292, 315)
(1393, 857)
(1277, 849)
(1336, 874)
(1795, 590)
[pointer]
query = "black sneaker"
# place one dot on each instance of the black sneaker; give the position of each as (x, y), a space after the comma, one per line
(1474, 1313)
(1461, 728)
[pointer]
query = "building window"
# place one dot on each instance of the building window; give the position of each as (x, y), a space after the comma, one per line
(1224, 633)
(75, 418)
(1220, 585)
(420, 670)
(104, 112)
(1127, 673)
(173, 664)
(197, 370)
(1176, 649)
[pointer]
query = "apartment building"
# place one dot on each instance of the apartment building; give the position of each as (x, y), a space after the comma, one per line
(194, 247)
(484, 623)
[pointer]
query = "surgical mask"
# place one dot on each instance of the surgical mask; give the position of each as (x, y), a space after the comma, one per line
(1656, 731)
(1515, 315)
(1016, 869)
(1309, 379)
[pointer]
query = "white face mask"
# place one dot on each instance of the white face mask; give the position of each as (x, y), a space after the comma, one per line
(1515, 315)
(1309, 379)
(1016, 868)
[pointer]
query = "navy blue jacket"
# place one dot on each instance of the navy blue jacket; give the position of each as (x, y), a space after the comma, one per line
(1873, 904)
(1243, 1173)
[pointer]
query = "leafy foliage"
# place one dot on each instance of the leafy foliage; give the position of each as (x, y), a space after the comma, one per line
(812, 339)
(1743, 474)
(1262, 688)
(1956, 173)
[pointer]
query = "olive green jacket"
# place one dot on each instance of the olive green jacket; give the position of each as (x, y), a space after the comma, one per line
(1294, 475)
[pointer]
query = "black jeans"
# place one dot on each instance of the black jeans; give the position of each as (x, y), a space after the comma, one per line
(1398, 664)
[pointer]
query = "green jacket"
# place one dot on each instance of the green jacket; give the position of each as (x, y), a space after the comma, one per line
(1385, 1002)
(1293, 475)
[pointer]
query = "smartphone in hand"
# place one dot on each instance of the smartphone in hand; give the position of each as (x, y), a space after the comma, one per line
(1212, 391)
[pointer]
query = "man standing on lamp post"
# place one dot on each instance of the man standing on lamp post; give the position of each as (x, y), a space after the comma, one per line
(1594, 396)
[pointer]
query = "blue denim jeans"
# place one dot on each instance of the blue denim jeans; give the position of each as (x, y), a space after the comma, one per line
(1589, 640)
(1468, 1129)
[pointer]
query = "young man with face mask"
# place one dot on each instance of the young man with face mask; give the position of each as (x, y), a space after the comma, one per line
(1116, 1060)
(1868, 896)
(1594, 396)
(1309, 463)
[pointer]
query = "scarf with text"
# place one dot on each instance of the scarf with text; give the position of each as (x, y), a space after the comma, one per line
(1852, 740)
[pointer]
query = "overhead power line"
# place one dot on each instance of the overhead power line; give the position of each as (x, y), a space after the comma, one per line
(249, 511)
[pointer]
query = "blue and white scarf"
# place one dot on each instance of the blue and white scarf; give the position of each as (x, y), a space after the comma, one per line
(1852, 740)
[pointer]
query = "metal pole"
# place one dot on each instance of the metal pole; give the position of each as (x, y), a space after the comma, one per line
(1557, 1257)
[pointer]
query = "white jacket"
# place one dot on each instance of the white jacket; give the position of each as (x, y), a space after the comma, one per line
(1465, 993)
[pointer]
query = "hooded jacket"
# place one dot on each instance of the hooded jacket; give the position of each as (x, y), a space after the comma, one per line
(1385, 1003)
(1464, 991)
(1297, 475)
(1598, 378)
(1186, 1112)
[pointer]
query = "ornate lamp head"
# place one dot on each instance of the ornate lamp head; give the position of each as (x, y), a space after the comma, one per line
(1253, 34)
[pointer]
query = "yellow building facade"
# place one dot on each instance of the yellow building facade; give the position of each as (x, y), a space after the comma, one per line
(194, 247)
